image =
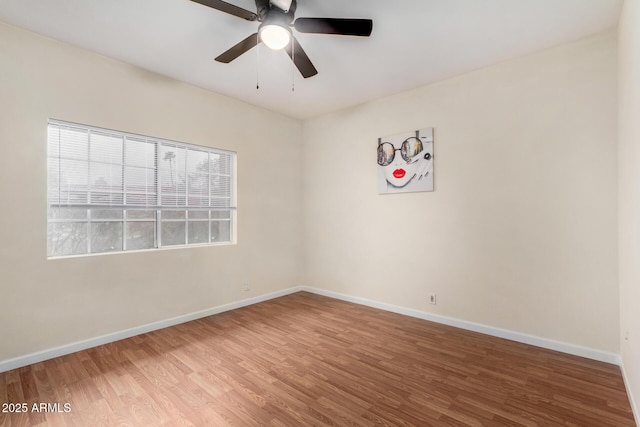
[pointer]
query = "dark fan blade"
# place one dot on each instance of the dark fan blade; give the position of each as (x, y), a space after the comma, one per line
(240, 48)
(223, 6)
(300, 59)
(346, 27)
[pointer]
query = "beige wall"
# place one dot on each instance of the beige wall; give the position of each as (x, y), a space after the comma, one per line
(48, 303)
(629, 194)
(520, 233)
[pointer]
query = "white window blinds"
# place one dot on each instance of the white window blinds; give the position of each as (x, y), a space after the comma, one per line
(95, 175)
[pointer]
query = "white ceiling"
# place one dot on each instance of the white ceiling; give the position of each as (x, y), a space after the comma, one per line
(414, 42)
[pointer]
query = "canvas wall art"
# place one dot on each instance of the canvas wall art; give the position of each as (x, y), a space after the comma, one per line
(405, 162)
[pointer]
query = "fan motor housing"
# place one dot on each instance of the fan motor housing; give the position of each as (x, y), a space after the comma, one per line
(275, 15)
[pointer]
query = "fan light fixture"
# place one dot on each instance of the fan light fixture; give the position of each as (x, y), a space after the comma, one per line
(275, 36)
(277, 22)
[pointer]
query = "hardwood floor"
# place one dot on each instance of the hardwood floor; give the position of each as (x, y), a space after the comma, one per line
(307, 360)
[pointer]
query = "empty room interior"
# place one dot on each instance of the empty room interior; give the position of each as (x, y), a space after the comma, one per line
(197, 233)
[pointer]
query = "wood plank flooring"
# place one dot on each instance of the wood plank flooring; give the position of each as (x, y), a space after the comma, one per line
(307, 360)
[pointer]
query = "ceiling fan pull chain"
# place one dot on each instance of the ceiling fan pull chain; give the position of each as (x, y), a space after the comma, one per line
(293, 67)
(258, 66)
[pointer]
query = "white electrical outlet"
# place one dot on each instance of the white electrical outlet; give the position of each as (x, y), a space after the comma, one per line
(432, 299)
(246, 287)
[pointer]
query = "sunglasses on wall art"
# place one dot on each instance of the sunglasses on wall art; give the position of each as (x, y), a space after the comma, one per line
(409, 149)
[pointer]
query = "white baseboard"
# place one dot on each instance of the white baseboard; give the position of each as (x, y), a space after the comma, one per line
(18, 362)
(9, 364)
(632, 401)
(576, 350)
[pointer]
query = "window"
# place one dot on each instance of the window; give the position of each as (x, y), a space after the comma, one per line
(111, 191)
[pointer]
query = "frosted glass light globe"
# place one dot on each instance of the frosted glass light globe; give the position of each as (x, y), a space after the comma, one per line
(275, 36)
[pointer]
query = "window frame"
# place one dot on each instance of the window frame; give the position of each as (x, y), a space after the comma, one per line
(216, 171)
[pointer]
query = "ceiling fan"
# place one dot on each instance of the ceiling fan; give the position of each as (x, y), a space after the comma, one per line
(276, 18)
